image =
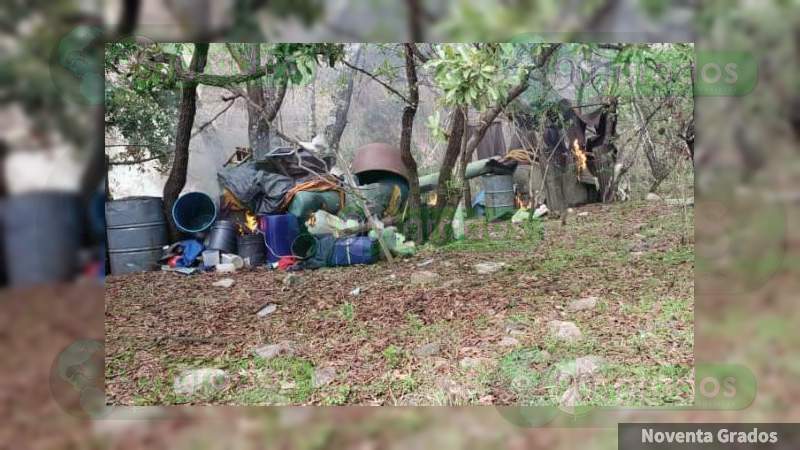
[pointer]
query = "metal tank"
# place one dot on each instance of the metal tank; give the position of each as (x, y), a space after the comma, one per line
(136, 232)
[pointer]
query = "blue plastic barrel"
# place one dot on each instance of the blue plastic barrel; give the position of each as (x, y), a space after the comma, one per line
(354, 250)
(194, 212)
(280, 231)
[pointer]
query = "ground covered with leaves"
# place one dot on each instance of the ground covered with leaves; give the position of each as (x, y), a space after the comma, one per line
(598, 311)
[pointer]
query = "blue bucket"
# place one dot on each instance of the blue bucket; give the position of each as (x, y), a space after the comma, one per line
(194, 212)
(280, 231)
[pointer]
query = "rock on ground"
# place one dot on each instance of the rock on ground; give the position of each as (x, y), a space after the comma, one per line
(424, 277)
(652, 197)
(565, 331)
(469, 362)
(570, 398)
(269, 351)
(324, 376)
(223, 283)
(194, 381)
(429, 349)
(455, 392)
(489, 267)
(589, 365)
(508, 341)
(267, 310)
(582, 367)
(291, 279)
(582, 304)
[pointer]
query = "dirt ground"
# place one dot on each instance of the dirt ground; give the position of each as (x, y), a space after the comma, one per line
(432, 329)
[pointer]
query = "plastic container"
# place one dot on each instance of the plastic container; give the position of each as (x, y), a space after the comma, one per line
(354, 250)
(225, 268)
(499, 196)
(42, 233)
(305, 203)
(194, 212)
(222, 236)
(252, 249)
(304, 246)
(210, 258)
(236, 260)
(280, 231)
(458, 223)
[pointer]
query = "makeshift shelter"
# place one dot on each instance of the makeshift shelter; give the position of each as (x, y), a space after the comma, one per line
(492, 144)
(575, 164)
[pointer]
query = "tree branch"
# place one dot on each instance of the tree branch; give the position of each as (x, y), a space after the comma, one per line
(133, 162)
(208, 79)
(379, 81)
(230, 100)
(418, 53)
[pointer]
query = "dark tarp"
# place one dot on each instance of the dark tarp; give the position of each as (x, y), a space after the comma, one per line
(260, 191)
(284, 160)
(323, 251)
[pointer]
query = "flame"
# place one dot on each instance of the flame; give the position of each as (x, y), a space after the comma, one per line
(580, 156)
(432, 199)
(250, 221)
(520, 202)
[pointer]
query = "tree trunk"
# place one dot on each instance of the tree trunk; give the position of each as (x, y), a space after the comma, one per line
(337, 120)
(107, 179)
(688, 137)
(658, 169)
(177, 175)
(554, 182)
(445, 215)
(265, 97)
(465, 159)
(446, 207)
(3, 181)
(444, 191)
(605, 154)
(96, 167)
(414, 222)
(312, 120)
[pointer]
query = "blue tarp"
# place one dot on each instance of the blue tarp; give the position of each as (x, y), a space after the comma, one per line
(191, 250)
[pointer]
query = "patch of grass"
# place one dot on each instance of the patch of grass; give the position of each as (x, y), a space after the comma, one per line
(388, 385)
(414, 322)
(337, 397)
(560, 349)
(441, 330)
(259, 396)
(561, 258)
(393, 355)
(676, 309)
(156, 391)
(481, 322)
(522, 373)
(637, 385)
(504, 236)
(673, 257)
(118, 364)
(347, 312)
(521, 318)
(297, 370)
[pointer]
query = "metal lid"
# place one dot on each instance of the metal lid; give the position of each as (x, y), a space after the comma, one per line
(379, 156)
